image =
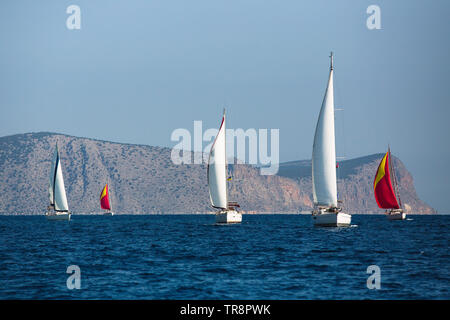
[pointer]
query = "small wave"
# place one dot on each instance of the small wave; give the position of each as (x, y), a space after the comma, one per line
(216, 270)
(317, 267)
(226, 224)
(324, 250)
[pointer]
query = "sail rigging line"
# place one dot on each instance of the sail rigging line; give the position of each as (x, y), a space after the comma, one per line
(226, 162)
(392, 169)
(341, 145)
(54, 176)
(338, 97)
(342, 140)
(339, 159)
(109, 198)
(338, 165)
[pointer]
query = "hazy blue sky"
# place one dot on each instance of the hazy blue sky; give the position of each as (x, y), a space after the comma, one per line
(137, 70)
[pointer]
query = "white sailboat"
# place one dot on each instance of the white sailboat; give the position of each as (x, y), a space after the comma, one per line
(58, 208)
(217, 172)
(326, 211)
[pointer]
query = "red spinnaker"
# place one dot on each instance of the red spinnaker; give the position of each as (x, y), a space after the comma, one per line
(104, 198)
(382, 185)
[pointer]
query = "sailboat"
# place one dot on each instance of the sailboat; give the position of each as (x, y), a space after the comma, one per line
(217, 173)
(326, 211)
(58, 208)
(105, 202)
(386, 190)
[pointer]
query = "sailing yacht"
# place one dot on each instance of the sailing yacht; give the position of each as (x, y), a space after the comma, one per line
(104, 201)
(217, 173)
(58, 208)
(386, 190)
(326, 211)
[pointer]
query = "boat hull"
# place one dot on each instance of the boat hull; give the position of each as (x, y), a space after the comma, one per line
(332, 219)
(108, 213)
(229, 216)
(58, 216)
(396, 216)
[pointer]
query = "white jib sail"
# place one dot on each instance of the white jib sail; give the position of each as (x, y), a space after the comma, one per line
(217, 170)
(59, 190)
(324, 152)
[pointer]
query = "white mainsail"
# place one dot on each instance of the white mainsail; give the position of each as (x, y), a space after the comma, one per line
(56, 190)
(217, 169)
(324, 151)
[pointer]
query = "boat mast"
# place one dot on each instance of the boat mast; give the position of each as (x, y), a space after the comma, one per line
(331, 70)
(331, 62)
(392, 169)
(54, 175)
(226, 164)
(109, 198)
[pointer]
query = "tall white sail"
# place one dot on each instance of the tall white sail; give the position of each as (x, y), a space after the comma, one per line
(324, 151)
(217, 170)
(58, 190)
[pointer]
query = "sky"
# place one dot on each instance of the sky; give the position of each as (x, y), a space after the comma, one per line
(137, 70)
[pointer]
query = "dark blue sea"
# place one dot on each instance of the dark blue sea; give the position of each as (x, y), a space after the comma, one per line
(189, 257)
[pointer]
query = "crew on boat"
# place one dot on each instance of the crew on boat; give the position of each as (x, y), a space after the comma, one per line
(233, 206)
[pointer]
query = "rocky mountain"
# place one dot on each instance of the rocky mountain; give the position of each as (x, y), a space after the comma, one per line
(143, 179)
(355, 183)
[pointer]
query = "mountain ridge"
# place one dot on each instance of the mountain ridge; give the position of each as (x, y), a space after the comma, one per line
(143, 179)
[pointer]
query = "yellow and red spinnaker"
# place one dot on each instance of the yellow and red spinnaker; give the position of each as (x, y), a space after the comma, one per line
(104, 198)
(382, 186)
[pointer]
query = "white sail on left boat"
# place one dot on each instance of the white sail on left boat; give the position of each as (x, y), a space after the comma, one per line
(326, 211)
(217, 172)
(58, 208)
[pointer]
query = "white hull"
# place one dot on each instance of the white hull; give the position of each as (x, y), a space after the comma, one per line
(229, 216)
(397, 216)
(332, 219)
(58, 216)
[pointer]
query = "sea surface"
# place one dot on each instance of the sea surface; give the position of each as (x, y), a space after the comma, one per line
(189, 257)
